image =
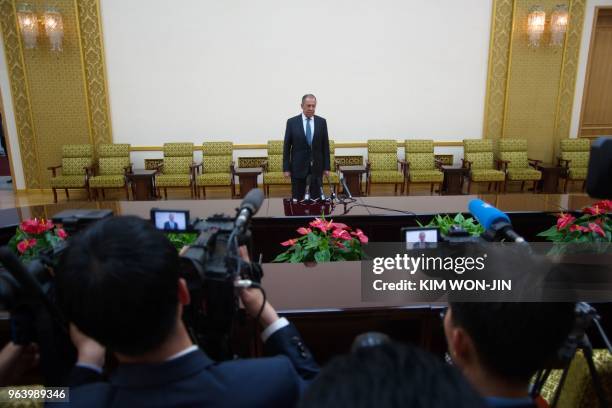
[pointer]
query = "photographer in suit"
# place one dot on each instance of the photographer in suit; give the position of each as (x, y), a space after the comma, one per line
(306, 150)
(119, 284)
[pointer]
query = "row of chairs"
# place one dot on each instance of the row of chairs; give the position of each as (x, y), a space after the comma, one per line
(79, 169)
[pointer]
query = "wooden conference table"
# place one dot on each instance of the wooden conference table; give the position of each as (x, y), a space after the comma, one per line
(324, 301)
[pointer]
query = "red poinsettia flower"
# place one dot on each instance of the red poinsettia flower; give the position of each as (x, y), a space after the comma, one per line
(564, 220)
(61, 233)
(363, 238)
(596, 229)
(290, 242)
(605, 205)
(580, 228)
(25, 245)
(594, 210)
(321, 224)
(339, 225)
(36, 226)
(342, 234)
(339, 244)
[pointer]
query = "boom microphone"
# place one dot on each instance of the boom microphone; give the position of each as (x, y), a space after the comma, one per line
(496, 223)
(249, 207)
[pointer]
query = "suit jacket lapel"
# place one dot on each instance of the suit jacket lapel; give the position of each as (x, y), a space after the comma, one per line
(300, 122)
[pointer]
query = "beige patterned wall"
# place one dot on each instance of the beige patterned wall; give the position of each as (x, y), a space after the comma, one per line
(530, 91)
(59, 98)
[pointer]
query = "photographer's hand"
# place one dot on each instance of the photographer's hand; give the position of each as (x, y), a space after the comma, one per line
(91, 353)
(252, 299)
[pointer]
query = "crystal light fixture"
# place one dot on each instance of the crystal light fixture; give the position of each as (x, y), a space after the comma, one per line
(536, 21)
(28, 24)
(558, 25)
(54, 28)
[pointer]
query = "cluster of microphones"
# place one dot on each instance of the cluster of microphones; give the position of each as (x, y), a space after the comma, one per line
(322, 197)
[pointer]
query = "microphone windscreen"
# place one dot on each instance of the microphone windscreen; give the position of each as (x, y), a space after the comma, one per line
(485, 213)
(253, 200)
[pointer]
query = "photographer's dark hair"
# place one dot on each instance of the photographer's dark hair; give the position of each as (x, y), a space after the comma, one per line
(513, 340)
(118, 283)
(390, 375)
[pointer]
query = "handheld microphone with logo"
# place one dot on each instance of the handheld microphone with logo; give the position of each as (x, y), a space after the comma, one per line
(345, 187)
(495, 222)
(249, 207)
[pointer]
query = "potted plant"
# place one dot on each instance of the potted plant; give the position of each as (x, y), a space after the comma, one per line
(34, 236)
(593, 227)
(444, 223)
(324, 241)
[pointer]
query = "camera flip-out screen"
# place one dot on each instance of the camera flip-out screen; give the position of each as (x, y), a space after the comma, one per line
(170, 220)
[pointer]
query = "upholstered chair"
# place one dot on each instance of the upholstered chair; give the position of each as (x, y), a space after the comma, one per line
(217, 167)
(383, 166)
(574, 159)
(76, 168)
(273, 167)
(177, 169)
(478, 159)
(421, 166)
(334, 178)
(516, 164)
(112, 169)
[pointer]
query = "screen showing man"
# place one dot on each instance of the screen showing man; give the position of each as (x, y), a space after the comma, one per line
(421, 239)
(170, 221)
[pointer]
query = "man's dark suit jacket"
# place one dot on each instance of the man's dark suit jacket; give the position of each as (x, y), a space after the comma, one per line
(296, 152)
(194, 380)
(167, 226)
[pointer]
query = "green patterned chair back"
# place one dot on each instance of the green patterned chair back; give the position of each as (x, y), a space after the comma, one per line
(75, 157)
(382, 154)
(576, 150)
(113, 158)
(332, 155)
(178, 158)
(275, 155)
(420, 154)
(217, 156)
(479, 152)
(514, 151)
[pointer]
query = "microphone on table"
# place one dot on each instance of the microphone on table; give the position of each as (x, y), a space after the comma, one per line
(495, 222)
(248, 207)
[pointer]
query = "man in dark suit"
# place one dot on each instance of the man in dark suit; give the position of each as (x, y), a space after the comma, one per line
(170, 225)
(306, 150)
(119, 285)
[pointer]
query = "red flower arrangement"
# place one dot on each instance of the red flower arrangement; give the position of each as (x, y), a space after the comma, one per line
(35, 235)
(324, 241)
(594, 225)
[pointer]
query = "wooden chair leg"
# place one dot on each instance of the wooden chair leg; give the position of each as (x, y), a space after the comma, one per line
(165, 193)
(402, 188)
(203, 192)
(67, 195)
(408, 188)
(395, 189)
(88, 190)
(583, 185)
(431, 188)
(54, 195)
(505, 185)
(565, 186)
(127, 192)
(469, 188)
(103, 194)
(522, 186)
(233, 190)
(489, 187)
(535, 186)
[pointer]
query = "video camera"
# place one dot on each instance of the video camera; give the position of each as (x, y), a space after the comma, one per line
(213, 269)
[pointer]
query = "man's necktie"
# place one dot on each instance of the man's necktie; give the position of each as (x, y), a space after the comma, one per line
(308, 132)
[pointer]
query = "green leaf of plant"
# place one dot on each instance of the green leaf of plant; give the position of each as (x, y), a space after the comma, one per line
(322, 256)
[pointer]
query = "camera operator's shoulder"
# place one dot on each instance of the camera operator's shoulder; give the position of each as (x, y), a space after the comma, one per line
(268, 381)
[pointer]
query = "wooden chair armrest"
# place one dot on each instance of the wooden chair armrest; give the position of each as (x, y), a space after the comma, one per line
(534, 162)
(128, 169)
(233, 168)
(466, 164)
(53, 169)
(90, 170)
(502, 164)
(264, 166)
(567, 162)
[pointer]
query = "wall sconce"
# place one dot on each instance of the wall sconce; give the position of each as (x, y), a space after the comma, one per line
(28, 24)
(558, 25)
(536, 21)
(54, 27)
(51, 20)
